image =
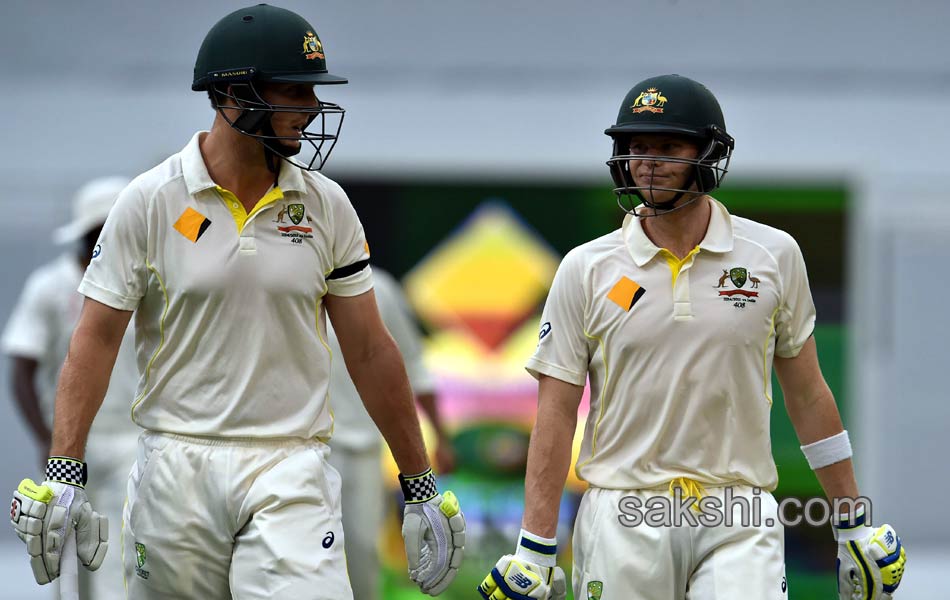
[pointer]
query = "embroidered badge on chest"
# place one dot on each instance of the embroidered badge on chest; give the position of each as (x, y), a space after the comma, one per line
(731, 284)
(294, 230)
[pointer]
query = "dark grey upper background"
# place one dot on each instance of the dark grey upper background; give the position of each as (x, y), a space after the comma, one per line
(857, 91)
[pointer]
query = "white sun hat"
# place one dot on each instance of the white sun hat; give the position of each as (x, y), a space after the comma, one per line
(91, 206)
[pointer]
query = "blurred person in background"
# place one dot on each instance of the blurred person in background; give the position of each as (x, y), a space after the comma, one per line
(36, 339)
(356, 446)
(677, 319)
(232, 254)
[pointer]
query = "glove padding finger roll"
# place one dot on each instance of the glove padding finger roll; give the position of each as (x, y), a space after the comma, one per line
(433, 530)
(870, 563)
(517, 579)
(43, 515)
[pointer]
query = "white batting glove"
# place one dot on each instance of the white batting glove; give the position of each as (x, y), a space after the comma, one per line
(870, 561)
(433, 529)
(531, 573)
(43, 515)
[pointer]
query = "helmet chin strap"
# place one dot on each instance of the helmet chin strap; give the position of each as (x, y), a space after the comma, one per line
(273, 149)
(659, 211)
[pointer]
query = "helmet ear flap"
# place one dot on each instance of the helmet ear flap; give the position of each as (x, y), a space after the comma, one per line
(707, 179)
(247, 98)
(620, 169)
(719, 147)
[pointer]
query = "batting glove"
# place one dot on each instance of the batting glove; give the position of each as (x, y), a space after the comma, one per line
(43, 515)
(870, 561)
(433, 529)
(531, 573)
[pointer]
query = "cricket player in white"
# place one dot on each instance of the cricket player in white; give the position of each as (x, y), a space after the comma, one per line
(231, 254)
(677, 320)
(36, 339)
(356, 447)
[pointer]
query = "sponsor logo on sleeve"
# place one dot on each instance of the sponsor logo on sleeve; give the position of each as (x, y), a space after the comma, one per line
(545, 330)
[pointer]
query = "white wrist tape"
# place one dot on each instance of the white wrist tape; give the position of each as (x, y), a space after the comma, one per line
(828, 451)
(539, 550)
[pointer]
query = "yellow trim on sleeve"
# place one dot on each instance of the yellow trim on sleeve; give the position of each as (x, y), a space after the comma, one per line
(330, 353)
(676, 264)
(237, 209)
(161, 341)
(766, 371)
(603, 395)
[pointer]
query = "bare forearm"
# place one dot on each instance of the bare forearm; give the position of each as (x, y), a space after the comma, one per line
(381, 381)
(838, 480)
(549, 459)
(82, 386)
(815, 419)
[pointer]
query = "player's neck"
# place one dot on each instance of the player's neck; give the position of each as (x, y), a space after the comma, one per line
(681, 230)
(236, 163)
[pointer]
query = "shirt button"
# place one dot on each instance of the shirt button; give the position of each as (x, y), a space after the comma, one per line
(234, 205)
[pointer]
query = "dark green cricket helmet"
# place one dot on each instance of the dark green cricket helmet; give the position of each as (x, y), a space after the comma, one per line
(266, 44)
(262, 43)
(676, 105)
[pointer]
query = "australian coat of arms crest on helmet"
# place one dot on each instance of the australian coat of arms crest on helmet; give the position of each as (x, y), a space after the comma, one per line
(651, 100)
(312, 48)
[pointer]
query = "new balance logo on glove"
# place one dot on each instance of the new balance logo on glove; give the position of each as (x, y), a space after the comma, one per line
(521, 580)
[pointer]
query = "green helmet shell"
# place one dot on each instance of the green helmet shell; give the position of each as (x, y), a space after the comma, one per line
(262, 43)
(675, 105)
(669, 104)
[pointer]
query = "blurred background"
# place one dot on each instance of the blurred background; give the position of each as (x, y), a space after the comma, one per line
(473, 150)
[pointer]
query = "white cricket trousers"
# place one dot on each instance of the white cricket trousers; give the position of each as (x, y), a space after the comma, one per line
(109, 456)
(676, 563)
(364, 509)
(222, 519)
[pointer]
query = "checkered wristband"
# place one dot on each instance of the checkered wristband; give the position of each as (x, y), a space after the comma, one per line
(418, 488)
(63, 469)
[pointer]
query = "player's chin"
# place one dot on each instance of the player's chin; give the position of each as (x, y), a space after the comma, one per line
(656, 197)
(286, 147)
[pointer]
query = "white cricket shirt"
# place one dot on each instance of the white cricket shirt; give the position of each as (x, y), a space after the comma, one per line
(40, 328)
(353, 427)
(230, 325)
(679, 356)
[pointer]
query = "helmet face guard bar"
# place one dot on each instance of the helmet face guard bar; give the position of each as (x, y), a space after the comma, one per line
(255, 121)
(710, 167)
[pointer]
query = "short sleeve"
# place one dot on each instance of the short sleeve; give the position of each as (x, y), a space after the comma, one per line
(562, 351)
(117, 275)
(29, 331)
(795, 320)
(400, 322)
(351, 274)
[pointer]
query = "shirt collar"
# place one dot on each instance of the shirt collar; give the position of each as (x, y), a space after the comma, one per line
(718, 238)
(290, 178)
